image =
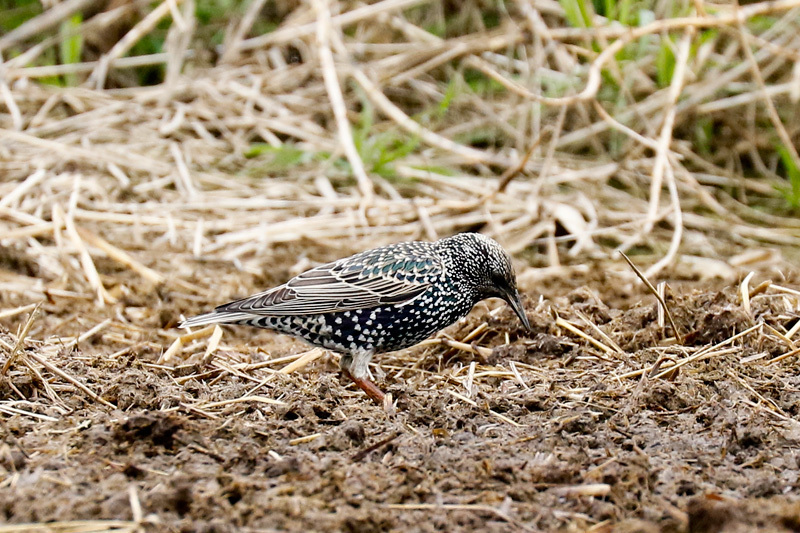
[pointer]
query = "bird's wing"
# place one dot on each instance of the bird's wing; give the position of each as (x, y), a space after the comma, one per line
(389, 275)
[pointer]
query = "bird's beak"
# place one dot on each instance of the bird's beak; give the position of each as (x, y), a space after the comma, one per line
(515, 302)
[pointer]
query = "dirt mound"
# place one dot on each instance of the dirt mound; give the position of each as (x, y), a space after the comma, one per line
(499, 431)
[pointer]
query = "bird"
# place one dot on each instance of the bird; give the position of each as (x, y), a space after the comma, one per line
(380, 300)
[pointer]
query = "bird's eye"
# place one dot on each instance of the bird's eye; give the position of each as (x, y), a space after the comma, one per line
(498, 280)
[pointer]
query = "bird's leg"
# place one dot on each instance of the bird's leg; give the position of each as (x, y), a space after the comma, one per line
(355, 366)
(367, 386)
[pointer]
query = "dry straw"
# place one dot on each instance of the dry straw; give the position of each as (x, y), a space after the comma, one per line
(113, 190)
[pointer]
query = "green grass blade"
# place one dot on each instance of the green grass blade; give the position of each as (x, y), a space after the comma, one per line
(665, 63)
(578, 12)
(71, 46)
(792, 192)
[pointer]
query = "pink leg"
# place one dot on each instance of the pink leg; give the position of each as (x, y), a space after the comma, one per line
(367, 386)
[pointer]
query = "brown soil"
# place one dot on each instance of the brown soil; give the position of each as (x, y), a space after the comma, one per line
(710, 447)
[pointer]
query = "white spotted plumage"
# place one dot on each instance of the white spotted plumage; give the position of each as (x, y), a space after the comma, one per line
(380, 300)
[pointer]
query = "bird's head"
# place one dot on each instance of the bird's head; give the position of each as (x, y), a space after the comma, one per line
(494, 273)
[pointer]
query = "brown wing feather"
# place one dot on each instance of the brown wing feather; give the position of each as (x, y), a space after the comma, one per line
(381, 276)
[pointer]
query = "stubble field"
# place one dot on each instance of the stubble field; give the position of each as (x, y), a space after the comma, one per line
(142, 187)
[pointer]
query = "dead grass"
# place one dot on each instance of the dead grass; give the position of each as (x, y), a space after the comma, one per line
(350, 126)
(615, 385)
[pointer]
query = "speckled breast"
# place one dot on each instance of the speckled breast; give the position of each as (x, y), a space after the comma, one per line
(377, 329)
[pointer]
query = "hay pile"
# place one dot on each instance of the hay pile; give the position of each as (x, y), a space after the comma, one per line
(365, 128)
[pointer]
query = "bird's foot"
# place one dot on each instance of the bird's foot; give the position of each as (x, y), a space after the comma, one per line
(367, 386)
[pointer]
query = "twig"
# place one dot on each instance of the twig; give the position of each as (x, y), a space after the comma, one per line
(705, 352)
(89, 269)
(677, 232)
(744, 291)
(369, 449)
(213, 344)
(307, 357)
(20, 340)
(511, 172)
(74, 526)
(473, 403)
(560, 322)
(57, 371)
(94, 156)
(600, 332)
(662, 151)
(284, 35)
(142, 28)
(234, 41)
(83, 337)
(480, 351)
(594, 77)
(781, 357)
(461, 507)
(773, 113)
(304, 439)
(337, 100)
(658, 297)
(11, 199)
(121, 256)
(46, 71)
(8, 313)
(45, 21)
(8, 99)
(405, 122)
(243, 399)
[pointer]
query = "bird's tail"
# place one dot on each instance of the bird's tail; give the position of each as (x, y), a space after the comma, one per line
(214, 317)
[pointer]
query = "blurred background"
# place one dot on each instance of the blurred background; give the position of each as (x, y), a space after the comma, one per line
(232, 132)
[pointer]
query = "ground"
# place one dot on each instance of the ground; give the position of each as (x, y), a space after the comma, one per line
(161, 158)
(539, 431)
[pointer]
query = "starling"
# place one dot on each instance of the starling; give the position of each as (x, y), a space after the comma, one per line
(380, 300)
